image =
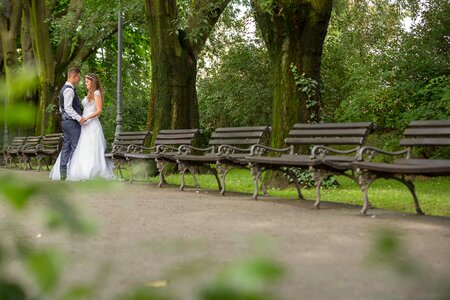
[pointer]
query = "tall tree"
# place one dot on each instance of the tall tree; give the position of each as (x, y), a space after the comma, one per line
(294, 33)
(178, 31)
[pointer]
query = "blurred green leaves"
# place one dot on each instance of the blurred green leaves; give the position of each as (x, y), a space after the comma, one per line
(59, 212)
(11, 291)
(247, 280)
(388, 250)
(46, 267)
(17, 112)
(16, 192)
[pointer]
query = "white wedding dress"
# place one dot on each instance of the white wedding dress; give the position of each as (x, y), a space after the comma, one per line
(88, 160)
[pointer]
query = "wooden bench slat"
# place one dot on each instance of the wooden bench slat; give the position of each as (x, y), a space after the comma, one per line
(242, 129)
(326, 141)
(432, 123)
(425, 142)
(129, 142)
(174, 142)
(329, 132)
(234, 134)
(428, 131)
(169, 136)
(131, 137)
(171, 131)
(125, 133)
(333, 125)
(234, 141)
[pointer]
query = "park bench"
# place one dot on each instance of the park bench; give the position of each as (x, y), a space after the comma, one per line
(164, 150)
(418, 134)
(11, 152)
(346, 138)
(29, 150)
(126, 142)
(48, 148)
(228, 149)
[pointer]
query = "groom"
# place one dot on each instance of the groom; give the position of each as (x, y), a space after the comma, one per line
(71, 119)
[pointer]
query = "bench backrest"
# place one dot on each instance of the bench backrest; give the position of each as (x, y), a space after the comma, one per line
(127, 138)
(352, 133)
(33, 140)
(426, 133)
(52, 140)
(18, 141)
(176, 137)
(241, 137)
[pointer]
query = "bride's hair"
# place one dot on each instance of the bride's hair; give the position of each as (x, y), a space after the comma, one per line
(94, 86)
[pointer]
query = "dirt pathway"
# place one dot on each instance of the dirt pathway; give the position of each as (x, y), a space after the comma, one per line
(147, 234)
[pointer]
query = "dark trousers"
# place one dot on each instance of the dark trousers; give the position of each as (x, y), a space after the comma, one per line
(71, 130)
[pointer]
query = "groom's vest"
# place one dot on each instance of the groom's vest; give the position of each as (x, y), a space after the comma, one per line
(75, 103)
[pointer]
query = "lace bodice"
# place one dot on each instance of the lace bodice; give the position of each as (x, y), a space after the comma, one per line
(89, 106)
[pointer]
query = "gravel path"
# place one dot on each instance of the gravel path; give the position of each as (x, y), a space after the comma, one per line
(146, 234)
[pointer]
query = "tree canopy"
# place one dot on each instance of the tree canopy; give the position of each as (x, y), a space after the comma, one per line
(383, 61)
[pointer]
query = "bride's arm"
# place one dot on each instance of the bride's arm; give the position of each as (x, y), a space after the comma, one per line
(98, 106)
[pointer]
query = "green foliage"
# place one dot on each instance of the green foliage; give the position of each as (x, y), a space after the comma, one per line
(266, 6)
(307, 86)
(247, 280)
(44, 265)
(17, 113)
(374, 69)
(389, 250)
(11, 291)
(84, 22)
(236, 92)
(304, 177)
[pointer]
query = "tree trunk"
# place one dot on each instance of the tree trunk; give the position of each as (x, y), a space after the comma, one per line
(294, 34)
(2, 68)
(10, 20)
(31, 96)
(173, 102)
(45, 65)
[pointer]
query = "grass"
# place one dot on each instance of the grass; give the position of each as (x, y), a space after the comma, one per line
(433, 193)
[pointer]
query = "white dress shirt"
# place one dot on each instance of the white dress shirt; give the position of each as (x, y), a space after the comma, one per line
(69, 95)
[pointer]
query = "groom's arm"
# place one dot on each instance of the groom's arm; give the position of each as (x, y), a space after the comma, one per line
(69, 95)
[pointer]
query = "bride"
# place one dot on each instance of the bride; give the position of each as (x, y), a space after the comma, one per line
(88, 160)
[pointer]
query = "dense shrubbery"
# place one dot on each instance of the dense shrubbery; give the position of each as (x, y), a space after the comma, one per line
(374, 69)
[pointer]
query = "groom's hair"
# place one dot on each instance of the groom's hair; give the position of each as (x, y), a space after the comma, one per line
(73, 71)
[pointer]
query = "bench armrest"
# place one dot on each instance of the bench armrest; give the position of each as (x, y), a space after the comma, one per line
(187, 149)
(228, 149)
(372, 151)
(322, 151)
(259, 150)
(137, 148)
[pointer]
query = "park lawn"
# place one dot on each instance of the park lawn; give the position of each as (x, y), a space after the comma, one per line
(433, 193)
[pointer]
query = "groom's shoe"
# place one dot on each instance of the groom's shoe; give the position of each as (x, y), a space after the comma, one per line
(63, 175)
